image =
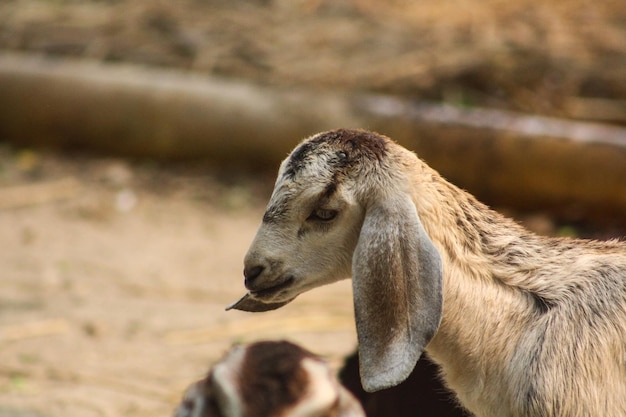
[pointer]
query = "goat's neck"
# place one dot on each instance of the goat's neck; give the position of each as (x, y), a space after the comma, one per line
(478, 241)
(487, 286)
(503, 287)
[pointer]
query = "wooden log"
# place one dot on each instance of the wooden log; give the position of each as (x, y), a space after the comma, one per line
(505, 158)
(528, 162)
(158, 114)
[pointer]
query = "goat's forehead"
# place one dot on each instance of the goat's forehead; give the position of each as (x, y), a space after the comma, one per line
(292, 195)
(335, 149)
(290, 191)
(306, 161)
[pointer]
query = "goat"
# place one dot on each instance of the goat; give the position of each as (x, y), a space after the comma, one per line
(422, 394)
(522, 325)
(269, 379)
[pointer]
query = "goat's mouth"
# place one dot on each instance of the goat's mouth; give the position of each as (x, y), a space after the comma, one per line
(264, 300)
(273, 291)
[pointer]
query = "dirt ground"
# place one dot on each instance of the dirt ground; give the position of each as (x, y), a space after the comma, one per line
(114, 281)
(115, 274)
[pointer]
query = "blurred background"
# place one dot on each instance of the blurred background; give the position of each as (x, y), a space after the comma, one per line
(139, 142)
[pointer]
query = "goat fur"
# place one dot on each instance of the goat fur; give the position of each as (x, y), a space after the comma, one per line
(522, 325)
(269, 379)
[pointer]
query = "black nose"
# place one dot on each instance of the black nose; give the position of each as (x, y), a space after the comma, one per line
(251, 274)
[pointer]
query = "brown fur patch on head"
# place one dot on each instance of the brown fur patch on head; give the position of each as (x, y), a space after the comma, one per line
(272, 378)
(349, 146)
(328, 158)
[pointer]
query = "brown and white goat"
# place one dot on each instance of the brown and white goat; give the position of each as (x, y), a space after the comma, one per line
(269, 379)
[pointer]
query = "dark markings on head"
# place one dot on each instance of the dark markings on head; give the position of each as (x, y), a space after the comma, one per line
(272, 378)
(349, 147)
(344, 150)
(274, 213)
(297, 159)
(330, 189)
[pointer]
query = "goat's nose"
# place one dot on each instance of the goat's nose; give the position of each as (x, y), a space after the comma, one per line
(250, 274)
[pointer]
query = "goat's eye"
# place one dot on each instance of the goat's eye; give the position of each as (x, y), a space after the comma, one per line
(322, 215)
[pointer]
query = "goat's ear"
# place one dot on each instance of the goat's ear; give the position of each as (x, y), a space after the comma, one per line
(397, 281)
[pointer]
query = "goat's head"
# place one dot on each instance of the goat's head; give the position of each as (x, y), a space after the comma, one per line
(269, 379)
(342, 206)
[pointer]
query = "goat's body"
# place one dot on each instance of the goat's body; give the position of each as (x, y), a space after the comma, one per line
(569, 297)
(522, 325)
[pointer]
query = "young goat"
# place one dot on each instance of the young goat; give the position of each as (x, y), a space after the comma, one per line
(269, 379)
(522, 325)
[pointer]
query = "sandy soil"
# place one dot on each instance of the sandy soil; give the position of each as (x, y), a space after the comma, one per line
(114, 281)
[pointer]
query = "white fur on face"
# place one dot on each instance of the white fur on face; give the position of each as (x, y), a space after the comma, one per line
(225, 380)
(322, 392)
(311, 253)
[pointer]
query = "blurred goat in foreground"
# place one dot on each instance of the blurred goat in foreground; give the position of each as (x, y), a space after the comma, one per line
(269, 379)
